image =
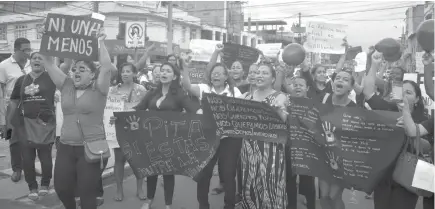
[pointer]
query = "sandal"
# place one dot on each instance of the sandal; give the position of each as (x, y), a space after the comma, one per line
(43, 191)
(33, 195)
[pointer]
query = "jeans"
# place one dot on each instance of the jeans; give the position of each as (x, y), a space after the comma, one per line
(72, 172)
(306, 188)
(228, 154)
(28, 152)
(16, 157)
(168, 187)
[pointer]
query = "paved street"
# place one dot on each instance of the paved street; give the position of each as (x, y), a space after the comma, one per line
(184, 198)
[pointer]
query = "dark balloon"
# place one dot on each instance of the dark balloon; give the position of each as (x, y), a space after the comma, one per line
(388, 47)
(293, 54)
(425, 35)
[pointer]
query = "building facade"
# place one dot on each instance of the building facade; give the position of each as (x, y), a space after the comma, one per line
(224, 15)
(414, 16)
(185, 27)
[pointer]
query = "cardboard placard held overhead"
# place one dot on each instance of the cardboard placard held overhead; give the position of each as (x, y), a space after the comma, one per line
(71, 37)
(247, 55)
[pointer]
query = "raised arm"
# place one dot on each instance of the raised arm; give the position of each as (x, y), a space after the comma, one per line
(56, 74)
(185, 80)
(369, 81)
(103, 80)
(214, 57)
(143, 60)
(66, 66)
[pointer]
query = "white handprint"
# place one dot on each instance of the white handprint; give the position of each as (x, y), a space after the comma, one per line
(333, 160)
(427, 101)
(133, 121)
(329, 129)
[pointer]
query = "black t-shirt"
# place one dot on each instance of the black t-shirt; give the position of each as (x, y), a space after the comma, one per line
(39, 100)
(244, 88)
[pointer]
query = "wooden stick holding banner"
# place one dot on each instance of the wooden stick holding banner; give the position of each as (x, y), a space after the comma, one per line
(71, 37)
(157, 143)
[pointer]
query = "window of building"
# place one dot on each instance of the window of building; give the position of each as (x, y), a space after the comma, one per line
(428, 17)
(38, 34)
(3, 32)
(20, 31)
(217, 36)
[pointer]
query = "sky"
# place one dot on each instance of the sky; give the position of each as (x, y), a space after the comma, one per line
(365, 26)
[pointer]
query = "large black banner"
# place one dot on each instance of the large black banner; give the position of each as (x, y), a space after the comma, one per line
(353, 147)
(244, 118)
(156, 143)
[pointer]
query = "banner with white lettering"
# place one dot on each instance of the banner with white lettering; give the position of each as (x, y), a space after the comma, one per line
(325, 37)
(73, 37)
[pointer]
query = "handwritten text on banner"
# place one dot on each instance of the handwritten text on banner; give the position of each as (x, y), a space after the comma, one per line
(349, 146)
(114, 103)
(157, 143)
(72, 37)
(244, 118)
(325, 37)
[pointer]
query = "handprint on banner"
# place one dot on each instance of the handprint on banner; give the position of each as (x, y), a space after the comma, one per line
(427, 101)
(333, 160)
(328, 129)
(134, 123)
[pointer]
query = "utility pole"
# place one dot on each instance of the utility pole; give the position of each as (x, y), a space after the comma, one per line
(95, 6)
(170, 32)
(300, 26)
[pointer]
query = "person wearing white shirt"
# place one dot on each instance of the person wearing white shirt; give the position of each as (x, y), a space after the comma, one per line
(229, 148)
(10, 70)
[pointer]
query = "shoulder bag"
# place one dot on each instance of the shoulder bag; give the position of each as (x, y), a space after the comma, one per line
(37, 130)
(405, 167)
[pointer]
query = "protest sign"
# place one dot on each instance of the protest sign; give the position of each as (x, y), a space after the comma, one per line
(353, 147)
(247, 55)
(244, 118)
(269, 50)
(71, 37)
(114, 103)
(161, 143)
(325, 37)
(198, 72)
(419, 79)
(202, 49)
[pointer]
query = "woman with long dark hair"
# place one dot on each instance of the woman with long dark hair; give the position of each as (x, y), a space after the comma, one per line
(389, 194)
(228, 151)
(168, 96)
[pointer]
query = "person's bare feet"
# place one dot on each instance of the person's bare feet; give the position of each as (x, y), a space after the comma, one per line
(141, 194)
(119, 196)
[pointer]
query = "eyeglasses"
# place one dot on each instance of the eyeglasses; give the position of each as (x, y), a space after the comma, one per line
(27, 50)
